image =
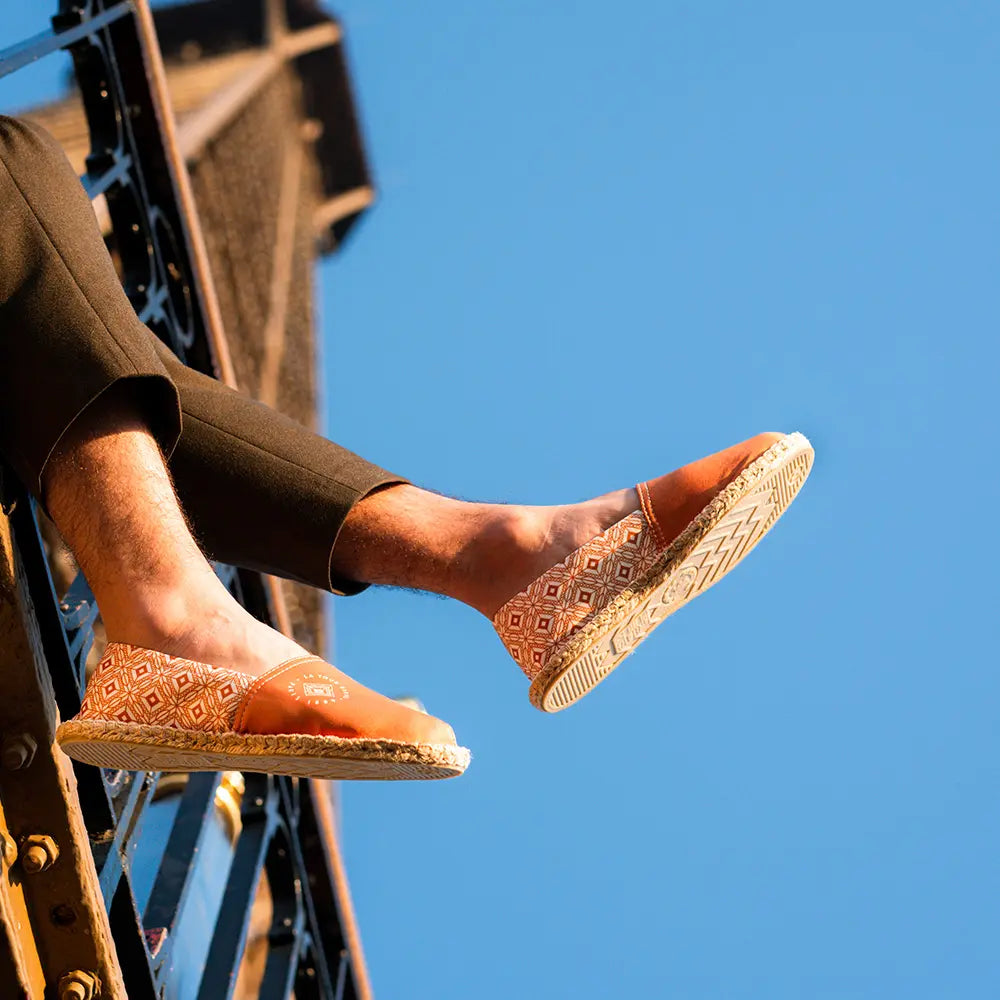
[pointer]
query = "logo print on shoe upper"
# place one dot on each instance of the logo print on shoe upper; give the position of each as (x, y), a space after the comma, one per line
(317, 689)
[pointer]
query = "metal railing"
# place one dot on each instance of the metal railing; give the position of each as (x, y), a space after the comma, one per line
(178, 864)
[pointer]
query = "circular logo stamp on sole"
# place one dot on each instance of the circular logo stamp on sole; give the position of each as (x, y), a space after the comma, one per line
(679, 587)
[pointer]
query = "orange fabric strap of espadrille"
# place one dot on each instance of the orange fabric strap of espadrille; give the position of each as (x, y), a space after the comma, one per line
(671, 502)
(535, 623)
(291, 698)
(646, 505)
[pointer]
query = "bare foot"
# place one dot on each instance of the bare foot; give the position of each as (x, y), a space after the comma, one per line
(523, 542)
(200, 621)
(480, 554)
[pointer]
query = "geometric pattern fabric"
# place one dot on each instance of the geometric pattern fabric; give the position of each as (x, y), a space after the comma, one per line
(144, 686)
(536, 623)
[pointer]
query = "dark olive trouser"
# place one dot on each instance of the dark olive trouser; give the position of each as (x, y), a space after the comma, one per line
(260, 490)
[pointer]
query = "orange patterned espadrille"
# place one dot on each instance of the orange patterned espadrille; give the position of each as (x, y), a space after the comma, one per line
(570, 628)
(147, 711)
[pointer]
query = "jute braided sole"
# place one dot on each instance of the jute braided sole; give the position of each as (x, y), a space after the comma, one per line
(132, 747)
(711, 545)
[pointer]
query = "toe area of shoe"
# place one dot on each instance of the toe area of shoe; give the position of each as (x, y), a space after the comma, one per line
(421, 728)
(759, 443)
(671, 501)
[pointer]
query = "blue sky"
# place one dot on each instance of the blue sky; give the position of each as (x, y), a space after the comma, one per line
(610, 240)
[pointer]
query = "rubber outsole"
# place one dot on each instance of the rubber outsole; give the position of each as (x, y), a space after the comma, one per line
(132, 747)
(713, 543)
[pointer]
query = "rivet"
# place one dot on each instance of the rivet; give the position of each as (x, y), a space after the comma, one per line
(38, 852)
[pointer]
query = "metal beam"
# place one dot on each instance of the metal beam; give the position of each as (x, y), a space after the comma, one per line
(201, 126)
(320, 36)
(32, 49)
(68, 923)
(185, 196)
(342, 206)
(281, 270)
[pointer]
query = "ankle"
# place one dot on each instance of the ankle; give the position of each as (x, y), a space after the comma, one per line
(520, 543)
(212, 630)
(159, 617)
(479, 554)
(501, 553)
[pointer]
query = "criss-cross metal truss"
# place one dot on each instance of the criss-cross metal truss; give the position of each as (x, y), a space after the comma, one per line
(119, 868)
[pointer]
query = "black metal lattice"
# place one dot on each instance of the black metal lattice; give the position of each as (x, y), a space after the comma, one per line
(281, 837)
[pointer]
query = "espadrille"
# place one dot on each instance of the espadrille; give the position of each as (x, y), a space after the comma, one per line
(570, 628)
(147, 711)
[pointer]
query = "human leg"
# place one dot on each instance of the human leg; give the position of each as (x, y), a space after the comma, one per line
(110, 494)
(87, 411)
(260, 490)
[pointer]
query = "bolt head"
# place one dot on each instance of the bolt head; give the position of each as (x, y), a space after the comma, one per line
(38, 852)
(18, 750)
(79, 985)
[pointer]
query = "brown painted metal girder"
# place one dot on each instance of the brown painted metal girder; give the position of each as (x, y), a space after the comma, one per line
(53, 921)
